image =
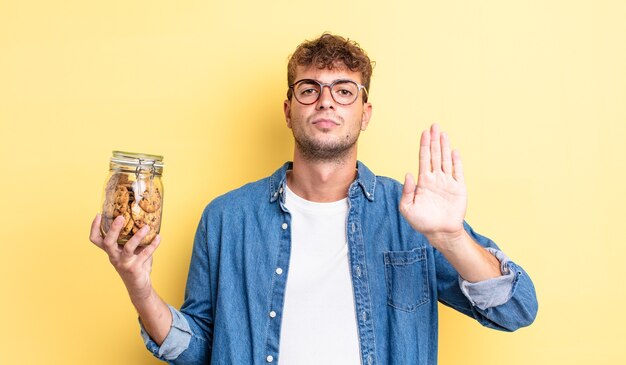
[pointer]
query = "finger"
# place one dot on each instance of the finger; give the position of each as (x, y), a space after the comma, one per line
(408, 192)
(110, 240)
(134, 241)
(458, 167)
(147, 252)
(424, 153)
(446, 156)
(95, 236)
(435, 148)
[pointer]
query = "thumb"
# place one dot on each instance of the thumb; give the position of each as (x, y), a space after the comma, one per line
(408, 192)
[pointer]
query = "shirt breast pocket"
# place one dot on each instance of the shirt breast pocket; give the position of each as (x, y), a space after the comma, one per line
(406, 273)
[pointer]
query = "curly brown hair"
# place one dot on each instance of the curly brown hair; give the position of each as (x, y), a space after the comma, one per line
(331, 51)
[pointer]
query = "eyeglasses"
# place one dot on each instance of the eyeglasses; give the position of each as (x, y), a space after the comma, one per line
(344, 92)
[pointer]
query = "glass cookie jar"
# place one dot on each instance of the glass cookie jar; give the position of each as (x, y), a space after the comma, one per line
(133, 189)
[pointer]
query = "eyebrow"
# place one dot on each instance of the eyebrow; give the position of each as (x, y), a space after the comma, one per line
(314, 80)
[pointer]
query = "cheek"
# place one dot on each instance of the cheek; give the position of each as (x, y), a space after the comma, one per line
(296, 115)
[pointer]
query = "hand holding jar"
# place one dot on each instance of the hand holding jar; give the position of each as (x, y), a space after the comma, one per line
(127, 229)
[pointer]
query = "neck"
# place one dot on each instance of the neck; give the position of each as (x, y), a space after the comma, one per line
(322, 181)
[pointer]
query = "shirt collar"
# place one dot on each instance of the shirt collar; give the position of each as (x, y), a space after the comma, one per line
(365, 179)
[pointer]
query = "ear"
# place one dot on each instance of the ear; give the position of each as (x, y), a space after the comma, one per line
(367, 114)
(287, 111)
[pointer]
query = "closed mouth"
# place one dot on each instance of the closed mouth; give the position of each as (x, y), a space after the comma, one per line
(325, 121)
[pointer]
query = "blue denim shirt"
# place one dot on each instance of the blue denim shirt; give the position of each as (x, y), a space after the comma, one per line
(240, 265)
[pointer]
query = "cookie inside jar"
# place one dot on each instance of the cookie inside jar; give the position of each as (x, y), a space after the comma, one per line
(134, 191)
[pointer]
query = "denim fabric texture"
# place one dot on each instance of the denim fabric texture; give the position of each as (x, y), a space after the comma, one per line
(240, 265)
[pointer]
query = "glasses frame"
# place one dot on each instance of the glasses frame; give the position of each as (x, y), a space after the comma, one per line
(330, 87)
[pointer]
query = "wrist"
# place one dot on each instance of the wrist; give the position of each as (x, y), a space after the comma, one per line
(142, 297)
(447, 241)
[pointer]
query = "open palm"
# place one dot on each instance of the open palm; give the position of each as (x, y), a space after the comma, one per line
(437, 203)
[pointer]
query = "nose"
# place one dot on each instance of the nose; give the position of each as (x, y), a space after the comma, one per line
(326, 100)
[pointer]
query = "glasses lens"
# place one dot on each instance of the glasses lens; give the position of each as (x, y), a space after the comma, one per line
(345, 92)
(307, 91)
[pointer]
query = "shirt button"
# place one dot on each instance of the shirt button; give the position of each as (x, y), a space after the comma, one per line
(358, 271)
(280, 190)
(370, 359)
(364, 315)
(279, 271)
(270, 358)
(272, 314)
(284, 226)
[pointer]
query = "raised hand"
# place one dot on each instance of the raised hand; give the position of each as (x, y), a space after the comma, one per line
(436, 205)
(132, 262)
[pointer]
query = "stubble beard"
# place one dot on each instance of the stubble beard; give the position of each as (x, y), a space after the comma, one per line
(324, 151)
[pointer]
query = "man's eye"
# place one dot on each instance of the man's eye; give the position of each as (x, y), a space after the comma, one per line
(308, 91)
(344, 92)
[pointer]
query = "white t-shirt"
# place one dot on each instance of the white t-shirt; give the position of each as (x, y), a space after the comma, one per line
(319, 320)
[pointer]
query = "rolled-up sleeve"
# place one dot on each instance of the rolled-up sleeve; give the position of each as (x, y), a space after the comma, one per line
(493, 292)
(505, 303)
(177, 339)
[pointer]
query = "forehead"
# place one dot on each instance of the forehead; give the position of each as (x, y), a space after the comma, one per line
(325, 75)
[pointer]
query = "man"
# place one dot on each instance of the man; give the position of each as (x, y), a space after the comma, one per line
(323, 261)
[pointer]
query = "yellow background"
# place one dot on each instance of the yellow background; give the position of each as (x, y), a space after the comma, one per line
(533, 94)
